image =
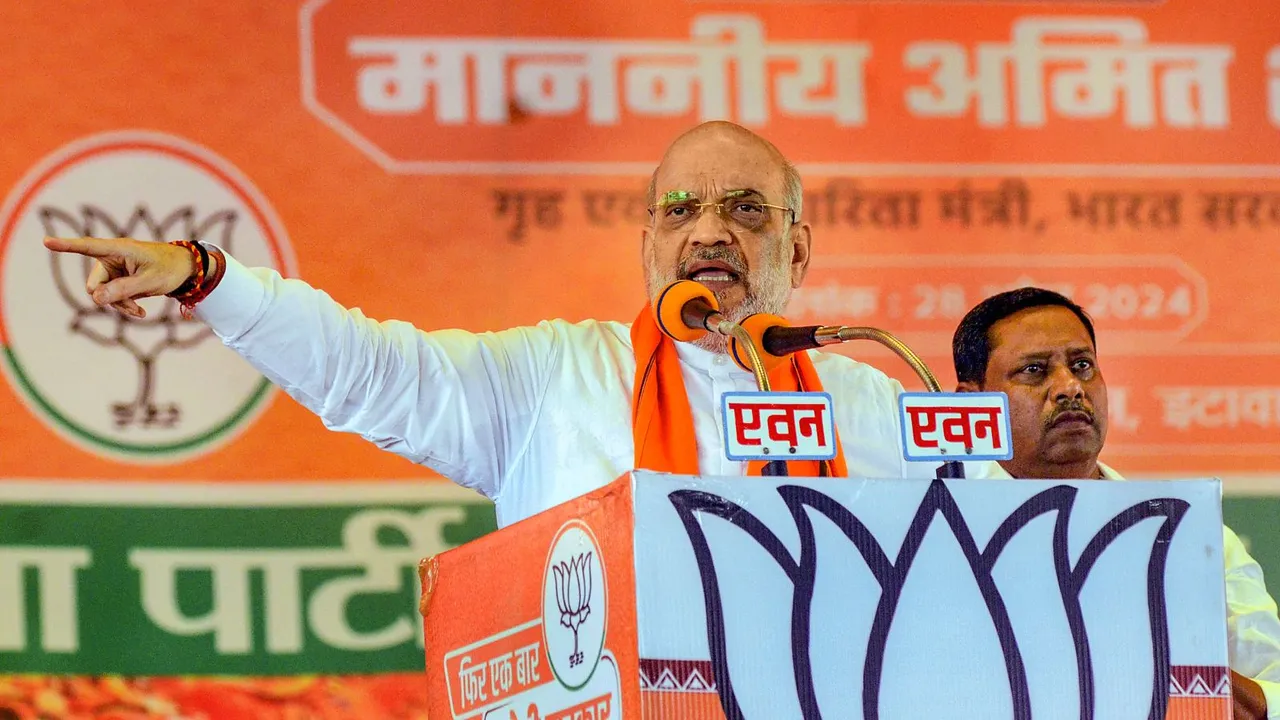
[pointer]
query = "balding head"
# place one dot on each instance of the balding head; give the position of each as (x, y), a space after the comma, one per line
(754, 250)
(719, 138)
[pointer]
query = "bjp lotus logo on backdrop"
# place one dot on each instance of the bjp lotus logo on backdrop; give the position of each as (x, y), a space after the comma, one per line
(156, 389)
(574, 605)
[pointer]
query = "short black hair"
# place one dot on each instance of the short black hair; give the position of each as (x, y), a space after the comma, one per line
(971, 345)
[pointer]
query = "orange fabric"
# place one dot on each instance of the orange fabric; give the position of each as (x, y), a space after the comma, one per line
(662, 421)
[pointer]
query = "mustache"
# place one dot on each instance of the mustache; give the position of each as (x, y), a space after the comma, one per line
(1075, 406)
(729, 256)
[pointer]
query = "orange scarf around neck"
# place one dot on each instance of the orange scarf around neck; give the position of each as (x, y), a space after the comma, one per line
(662, 421)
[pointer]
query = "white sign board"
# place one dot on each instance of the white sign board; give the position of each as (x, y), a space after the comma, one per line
(837, 598)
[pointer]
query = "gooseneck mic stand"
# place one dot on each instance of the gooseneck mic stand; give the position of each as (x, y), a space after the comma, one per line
(773, 468)
(950, 469)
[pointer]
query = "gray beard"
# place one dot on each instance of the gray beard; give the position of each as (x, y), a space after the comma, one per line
(755, 303)
(768, 291)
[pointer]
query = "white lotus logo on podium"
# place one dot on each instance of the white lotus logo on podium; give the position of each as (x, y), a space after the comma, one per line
(867, 610)
(574, 604)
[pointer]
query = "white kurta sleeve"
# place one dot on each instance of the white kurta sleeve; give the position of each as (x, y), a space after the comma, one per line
(461, 403)
(1253, 629)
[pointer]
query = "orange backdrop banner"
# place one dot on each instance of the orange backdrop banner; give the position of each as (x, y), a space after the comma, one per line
(483, 165)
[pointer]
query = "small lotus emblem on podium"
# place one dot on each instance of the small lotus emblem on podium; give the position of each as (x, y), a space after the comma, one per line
(575, 604)
(573, 597)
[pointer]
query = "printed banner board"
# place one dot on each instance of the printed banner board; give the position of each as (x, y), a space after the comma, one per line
(217, 602)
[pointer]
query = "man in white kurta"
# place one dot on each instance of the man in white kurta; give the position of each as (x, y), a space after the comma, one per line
(534, 416)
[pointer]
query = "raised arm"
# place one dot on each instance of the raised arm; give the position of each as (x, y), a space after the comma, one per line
(463, 404)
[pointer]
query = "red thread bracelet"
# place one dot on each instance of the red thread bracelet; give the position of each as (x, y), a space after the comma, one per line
(210, 267)
(193, 282)
(209, 281)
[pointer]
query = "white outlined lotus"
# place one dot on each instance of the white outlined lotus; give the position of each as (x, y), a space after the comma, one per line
(897, 627)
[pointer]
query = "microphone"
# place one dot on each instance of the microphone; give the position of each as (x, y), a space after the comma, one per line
(774, 338)
(688, 310)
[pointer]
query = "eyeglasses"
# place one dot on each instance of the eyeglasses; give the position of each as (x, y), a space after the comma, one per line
(680, 209)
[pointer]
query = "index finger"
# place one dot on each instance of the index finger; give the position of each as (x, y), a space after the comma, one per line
(90, 246)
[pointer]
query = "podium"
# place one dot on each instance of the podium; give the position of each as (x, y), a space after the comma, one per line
(665, 596)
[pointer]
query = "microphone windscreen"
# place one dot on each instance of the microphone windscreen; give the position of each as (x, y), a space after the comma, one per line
(756, 325)
(667, 311)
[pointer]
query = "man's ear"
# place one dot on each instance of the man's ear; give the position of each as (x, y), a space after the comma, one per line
(968, 386)
(801, 245)
(646, 238)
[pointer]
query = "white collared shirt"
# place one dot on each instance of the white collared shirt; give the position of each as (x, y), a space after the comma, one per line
(1253, 628)
(530, 417)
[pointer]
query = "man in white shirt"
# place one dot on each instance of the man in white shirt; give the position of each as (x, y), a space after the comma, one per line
(534, 416)
(1039, 348)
